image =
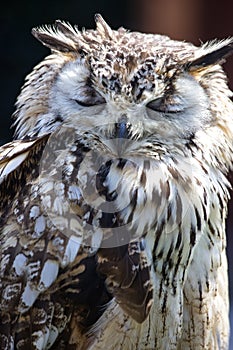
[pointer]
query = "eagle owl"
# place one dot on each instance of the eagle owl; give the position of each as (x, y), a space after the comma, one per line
(114, 195)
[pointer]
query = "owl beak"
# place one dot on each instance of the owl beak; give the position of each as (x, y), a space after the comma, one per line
(122, 128)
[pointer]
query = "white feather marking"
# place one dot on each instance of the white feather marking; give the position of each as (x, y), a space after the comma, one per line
(60, 222)
(46, 202)
(72, 249)
(20, 264)
(40, 340)
(48, 274)
(34, 212)
(74, 193)
(47, 186)
(7, 167)
(10, 242)
(96, 239)
(58, 205)
(76, 227)
(53, 334)
(40, 225)
(28, 298)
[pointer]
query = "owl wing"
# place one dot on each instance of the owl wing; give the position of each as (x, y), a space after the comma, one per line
(18, 160)
(47, 275)
(128, 278)
(15, 153)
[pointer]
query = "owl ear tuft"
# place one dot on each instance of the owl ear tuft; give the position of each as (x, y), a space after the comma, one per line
(212, 53)
(60, 37)
(103, 28)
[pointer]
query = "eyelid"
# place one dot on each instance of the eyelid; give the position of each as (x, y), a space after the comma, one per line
(155, 104)
(173, 104)
(84, 104)
(89, 102)
(90, 98)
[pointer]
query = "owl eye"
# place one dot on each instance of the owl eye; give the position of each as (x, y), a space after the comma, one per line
(89, 99)
(171, 104)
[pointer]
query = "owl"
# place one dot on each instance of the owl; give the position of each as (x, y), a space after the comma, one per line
(114, 195)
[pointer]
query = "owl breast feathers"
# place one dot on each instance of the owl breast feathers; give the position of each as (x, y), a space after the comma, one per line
(114, 195)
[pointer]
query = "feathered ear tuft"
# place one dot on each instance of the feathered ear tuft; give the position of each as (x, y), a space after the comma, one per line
(60, 37)
(103, 28)
(63, 37)
(212, 53)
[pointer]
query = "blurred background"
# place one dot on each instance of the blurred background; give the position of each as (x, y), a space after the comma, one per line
(191, 20)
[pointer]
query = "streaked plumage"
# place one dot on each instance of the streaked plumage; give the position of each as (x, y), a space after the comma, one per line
(114, 195)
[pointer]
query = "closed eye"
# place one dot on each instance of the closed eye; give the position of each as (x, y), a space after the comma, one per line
(89, 98)
(87, 103)
(172, 104)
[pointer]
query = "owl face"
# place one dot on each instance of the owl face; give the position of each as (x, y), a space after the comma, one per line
(121, 84)
(129, 104)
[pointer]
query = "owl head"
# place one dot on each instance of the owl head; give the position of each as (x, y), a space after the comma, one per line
(126, 84)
